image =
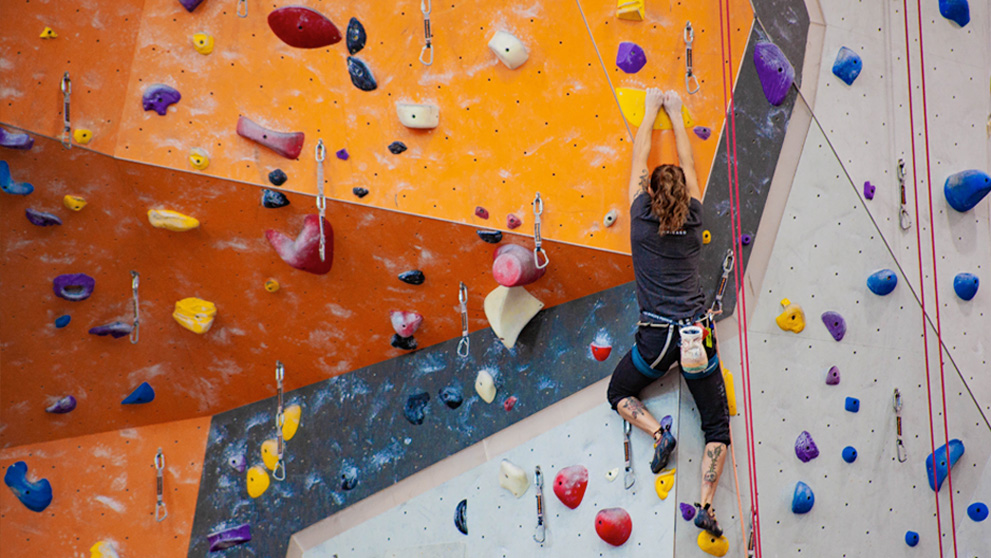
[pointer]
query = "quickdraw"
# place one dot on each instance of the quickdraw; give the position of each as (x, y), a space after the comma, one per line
(427, 52)
(242, 8)
(279, 473)
(540, 534)
(66, 126)
(321, 154)
(630, 478)
(463, 302)
(900, 450)
(717, 302)
(904, 218)
(161, 512)
(134, 302)
(690, 77)
(538, 210)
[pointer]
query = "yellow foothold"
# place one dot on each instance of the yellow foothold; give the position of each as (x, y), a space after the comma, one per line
(664, 483)
(49, 33)
(82, 135)
(171, 220)
(270, 453)
(257, 481)
(195, 314)
(199, 159)
(730, 391)
(271, 285)
(102, 549)
(792, 318)
(75, 203)
(203, 42)
(291, 418)
(706, 237)
(716, 546)
(631, 105)
(632, 10)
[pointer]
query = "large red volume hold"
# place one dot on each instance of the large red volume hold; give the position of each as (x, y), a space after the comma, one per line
(613, 525)
(304, 252)
(303, 28)
(570, 484)
(287, 144)
(514, 266)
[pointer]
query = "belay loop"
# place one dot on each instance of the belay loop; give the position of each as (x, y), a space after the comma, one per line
(538, 209)
(321, 154)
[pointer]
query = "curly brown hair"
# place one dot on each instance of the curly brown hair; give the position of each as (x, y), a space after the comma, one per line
(669, 197)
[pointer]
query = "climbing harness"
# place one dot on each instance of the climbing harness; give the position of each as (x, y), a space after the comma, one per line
(630, 478)
(321, 153)
(904, 219)
(899, 445)
(427, 52)
(134, 301)
(161, 512)
(279, 473)
(717, 302)
(463, 301)
(538, 209)
(690, 77)
(66, 126)
(242, 8)
(540, 534)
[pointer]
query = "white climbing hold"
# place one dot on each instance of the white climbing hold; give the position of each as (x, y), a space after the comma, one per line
(485, 386)
(421, 117)
(612, 474)
(610, 218)
(508, 310)
(513, 479)
(510, 50)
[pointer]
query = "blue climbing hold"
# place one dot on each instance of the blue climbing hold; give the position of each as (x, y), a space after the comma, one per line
(142, 394)
(966, 189)
(942, 464)
(274, 199)
(451, 396)
(8, 185)
(349, 477)
(978, 511)
(852, 404)
(882, 282)
(803, 500)
(848, 65)
(34, 495)
(416, 407)
(849, 454)
(62, 321)
(911, 538)
(955, 10)
(965, 285)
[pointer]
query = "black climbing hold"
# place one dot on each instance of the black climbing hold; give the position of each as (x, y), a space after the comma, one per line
(274, 199)
(492, 237)
(349, 477)
(397, 147)
(416, 407)
(361, 75)
(277, 177)
(359, 191)
(413, 277)
(451, 396)
(461, 517)
(355, 36)
(404, 343)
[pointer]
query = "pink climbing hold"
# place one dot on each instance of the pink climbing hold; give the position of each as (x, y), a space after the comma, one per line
(287, 144)
(570, 484)
(613, 525)
(481, 212)
(513, 222)
(514, 266)
(304, 252)
(600, 352)
(510, 402)
(405, 323)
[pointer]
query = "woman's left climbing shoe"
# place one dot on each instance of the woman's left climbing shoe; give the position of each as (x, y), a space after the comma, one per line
(663, 449)
(706, 519)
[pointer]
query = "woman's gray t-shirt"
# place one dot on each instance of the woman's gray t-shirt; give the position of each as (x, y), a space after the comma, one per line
(666, 267)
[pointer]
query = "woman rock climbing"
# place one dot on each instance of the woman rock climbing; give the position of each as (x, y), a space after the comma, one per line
(666, 238)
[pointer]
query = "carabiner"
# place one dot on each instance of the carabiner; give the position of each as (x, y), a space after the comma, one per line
(427, 52)
(242, 8)
(66, 87)
(538, 210)
(464, 343)
(690, 77)
(540, 533)
(728, 262)
(630, 478)
(134, 300)
(161, 512)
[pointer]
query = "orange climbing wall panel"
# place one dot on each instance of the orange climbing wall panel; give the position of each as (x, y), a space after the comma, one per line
(104, 488)
(320, 326)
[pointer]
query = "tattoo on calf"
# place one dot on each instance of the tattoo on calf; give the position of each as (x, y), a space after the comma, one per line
(713, 455)
(635, 407)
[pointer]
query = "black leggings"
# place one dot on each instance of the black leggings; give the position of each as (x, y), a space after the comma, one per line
(709, 392)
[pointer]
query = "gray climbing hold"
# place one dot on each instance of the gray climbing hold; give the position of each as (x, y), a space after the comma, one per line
(349, 477)
(361, 74)
(355, 36)
(41, 218)
(461, 517)
(415, 409)
(847, 65)
(451, 396)
(775, 72)
(159, 97)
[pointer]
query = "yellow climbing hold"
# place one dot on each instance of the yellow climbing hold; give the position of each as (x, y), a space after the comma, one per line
(102, 549)
(49, 33)
(706, 237)
(632, 10)
(291, 416)
(257, 481)
(270, 453)
(82, 135)
(730, 391)
(716, 546)
(75, 203)
(664, 483)
(195, 314)
(631, 104)
(203, 42)
(171, 220)
(198, 159)
(271, 285)
(792, 318)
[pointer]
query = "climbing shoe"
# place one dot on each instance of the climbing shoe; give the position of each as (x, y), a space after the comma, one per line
(663, 447)
(705, 519)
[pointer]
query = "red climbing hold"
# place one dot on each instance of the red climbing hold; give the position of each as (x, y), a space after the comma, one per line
(289, 145)
(405, 323)
(513, 221)
(600, 352)
(514, 266)
(481, 212)
(303, 28)
(304, 252)
(509, 403)
(613, 525)
(570, 484)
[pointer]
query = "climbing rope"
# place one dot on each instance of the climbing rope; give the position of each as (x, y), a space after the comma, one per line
(904, 219)
(538, 210)
(540, 534)
(629, 478)
(242, 8)
(427, 52)
(66, 126)
(899, 445)
(161, 512)
(134, 302)
(463, 301)
(279, 473)
(321, 154)
(690, 77)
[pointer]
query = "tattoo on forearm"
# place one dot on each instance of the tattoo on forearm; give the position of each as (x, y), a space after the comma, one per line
(713, 455)
(635, 407)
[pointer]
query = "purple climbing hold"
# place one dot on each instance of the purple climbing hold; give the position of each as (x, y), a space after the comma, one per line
(62, 406)
(238, 462)
(397, 147)
(869, 190)
(481, 212)
(703, 132)
(141, 394)
(342, 154)
(835, 324)
(74, 286)
(359, 191)
(226, 538)
(746, 239)
(805, 447)
(190, 5)
(833, 376)
(115, 330)
(9, 185)
(847, 65)
(12, 140)
(159, 97)
(687, 511)
(630, 57)
(775, 72)
(41, 218)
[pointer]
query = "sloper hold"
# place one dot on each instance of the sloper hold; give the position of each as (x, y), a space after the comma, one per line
(195, 314)
(405, 323)
(355, 36)
(274, 199)
(159, 97)
(226, 538)
(937, 474)
(14, 140)
(613, 525)
(419, 117)
(835, 324)
(849, 454)
(508, 49)
(361, 74)
(287, 144)
(630, 57)
(461, 517)
(41, 218)
(514, 266)
(570, 484)
(412, 277)
(792, 318)
(292, 416)
(911, 538)
(513, 478)
(62, 406)
(62, 321)
(803, 499)
(199, 159)
(272, 285)
(965, 189)
(34, 495)
(508, 310)
(270, 454)
(190, 5)
(610, 218)
(957, 11)
(301, 27)
(965, 285)
(631, 104)
(73, 287)
(664, 483)
(172, 220)
(775, 72)
(715, 546)
(113, 329)
(257, 481)
(485, 386)
(882, 282)
(978, 511)
(415, 409)
(847, 65)
(303, 253)
(141, 394)
(103, 549)
(805, 447)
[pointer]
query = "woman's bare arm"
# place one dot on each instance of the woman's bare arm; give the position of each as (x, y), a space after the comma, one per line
(639, 173)
(672, 104)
